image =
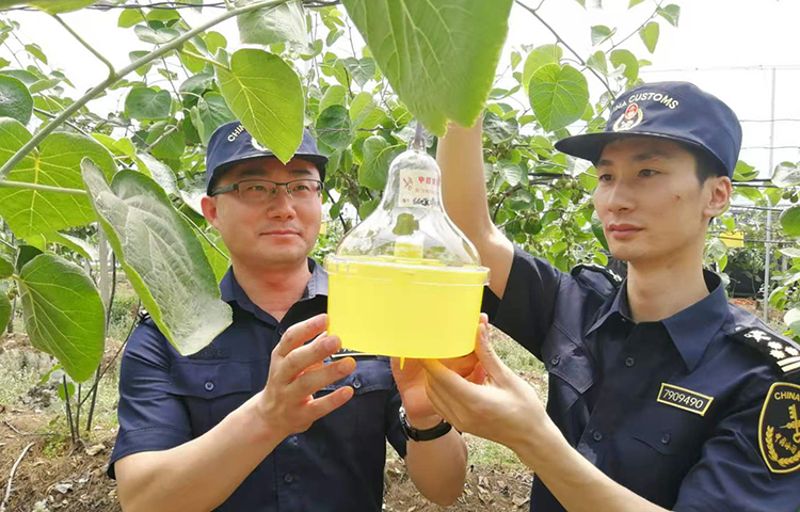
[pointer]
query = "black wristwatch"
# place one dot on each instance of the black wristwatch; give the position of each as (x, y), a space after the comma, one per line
(427, 434)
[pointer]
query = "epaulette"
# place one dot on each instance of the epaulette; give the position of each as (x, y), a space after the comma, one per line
(783, 352)
(143, 315)
(609, 274)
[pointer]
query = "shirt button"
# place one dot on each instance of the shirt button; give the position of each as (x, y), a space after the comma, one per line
(288, 478)
(356, 383)
(597, 435)
(209, 386)
(293, 441)
(629, 361)
(666, 438)
(555, 360)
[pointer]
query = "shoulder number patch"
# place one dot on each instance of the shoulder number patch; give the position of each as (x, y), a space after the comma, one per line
(685, 399)
(779, 428)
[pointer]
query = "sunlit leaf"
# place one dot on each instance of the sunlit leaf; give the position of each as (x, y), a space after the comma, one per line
(64, 315)
(559, 95)
(420, 48)
(265, 94)
(56, 163)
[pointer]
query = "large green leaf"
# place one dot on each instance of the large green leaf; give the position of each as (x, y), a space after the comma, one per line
(277, 24)
(64, 315)
(790, 221)
(440, 57)
(56, 163)
(15, 99)
(559, 95)
(5, 312)
(265, 94)
(145, 103)
(161, 256)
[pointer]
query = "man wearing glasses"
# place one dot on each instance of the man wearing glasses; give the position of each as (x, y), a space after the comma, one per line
(271, 416)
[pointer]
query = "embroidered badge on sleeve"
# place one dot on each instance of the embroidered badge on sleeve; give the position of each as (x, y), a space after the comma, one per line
(779, 428)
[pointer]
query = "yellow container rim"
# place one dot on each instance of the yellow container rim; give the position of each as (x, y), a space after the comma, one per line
(377, 266)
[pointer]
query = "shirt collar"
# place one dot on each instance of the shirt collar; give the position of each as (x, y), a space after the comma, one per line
(692, 328)
(232, 292)
(617, 308)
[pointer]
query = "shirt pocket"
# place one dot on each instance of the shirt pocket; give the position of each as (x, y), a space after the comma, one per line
(363, 416)
(661, 446)
(570, 370)
(211, 391)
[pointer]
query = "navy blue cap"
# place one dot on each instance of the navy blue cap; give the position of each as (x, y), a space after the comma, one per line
(677, 111)
(232, 143)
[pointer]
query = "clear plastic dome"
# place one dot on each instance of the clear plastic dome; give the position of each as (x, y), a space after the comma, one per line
(406, 282)
(410, 225)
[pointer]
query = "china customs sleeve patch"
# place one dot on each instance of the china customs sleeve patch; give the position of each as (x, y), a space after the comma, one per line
(779, 428)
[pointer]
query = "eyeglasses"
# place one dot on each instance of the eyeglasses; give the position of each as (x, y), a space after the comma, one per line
(261, 191)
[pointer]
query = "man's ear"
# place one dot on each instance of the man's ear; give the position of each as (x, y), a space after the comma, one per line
(210, 211)
(720, 189)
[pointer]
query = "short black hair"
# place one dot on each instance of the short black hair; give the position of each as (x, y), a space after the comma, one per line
(706, 165)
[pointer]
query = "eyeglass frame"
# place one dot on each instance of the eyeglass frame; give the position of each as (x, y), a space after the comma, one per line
(285, 184)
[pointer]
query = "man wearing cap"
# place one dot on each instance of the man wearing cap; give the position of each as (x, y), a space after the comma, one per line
(661, 394)
(263, 419)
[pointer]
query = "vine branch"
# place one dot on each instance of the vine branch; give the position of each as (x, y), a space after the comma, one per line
(115, 76)
(11, 476)
(85, 44)
(568, 47)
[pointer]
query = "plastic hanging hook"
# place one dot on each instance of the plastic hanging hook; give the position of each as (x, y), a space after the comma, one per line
(418, 142)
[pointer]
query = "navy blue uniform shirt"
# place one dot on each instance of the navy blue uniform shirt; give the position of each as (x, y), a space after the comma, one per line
(337, 465)
(672, 410)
